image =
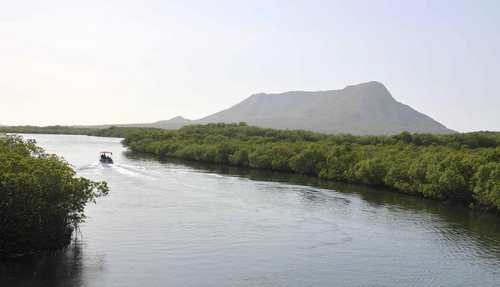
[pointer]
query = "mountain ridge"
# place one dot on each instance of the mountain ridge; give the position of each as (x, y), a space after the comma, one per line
(362, 109)
(366, 108)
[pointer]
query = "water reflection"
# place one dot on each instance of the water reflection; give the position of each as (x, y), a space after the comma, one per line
(58, 268)
(456, 226)
(171, 223)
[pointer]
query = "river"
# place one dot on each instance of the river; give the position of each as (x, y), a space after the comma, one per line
(184, 224)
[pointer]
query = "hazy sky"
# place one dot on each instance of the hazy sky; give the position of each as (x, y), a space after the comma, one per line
(93, 62)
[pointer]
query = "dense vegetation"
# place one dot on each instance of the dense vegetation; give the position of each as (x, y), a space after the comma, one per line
(460, 167)
(465, 140)
(41, 199)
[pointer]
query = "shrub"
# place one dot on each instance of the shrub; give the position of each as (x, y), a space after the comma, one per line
(41, 199)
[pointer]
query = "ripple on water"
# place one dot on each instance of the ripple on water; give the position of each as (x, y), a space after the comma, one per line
(173, 224)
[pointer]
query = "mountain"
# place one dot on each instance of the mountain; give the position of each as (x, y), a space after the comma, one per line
(362, 109)
(367, 108)
(173, 123)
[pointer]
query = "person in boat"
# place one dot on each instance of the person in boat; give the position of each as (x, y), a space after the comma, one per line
(105, 158)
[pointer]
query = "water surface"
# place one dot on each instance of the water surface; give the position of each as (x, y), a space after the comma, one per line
(178, 224)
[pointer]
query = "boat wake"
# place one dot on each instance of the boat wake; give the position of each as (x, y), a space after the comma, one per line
(131, 170)
(87, 167)
(124, 169)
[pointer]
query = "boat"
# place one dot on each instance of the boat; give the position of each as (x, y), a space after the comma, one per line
(105, 157)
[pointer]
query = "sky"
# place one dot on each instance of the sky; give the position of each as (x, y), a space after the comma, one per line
(103, 62)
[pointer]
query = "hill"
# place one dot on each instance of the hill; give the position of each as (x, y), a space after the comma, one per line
(171, 124)
(367, 108)
(363, 109)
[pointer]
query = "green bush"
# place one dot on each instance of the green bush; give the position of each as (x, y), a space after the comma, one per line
(308, 161)
(41, 199)
(487, 185)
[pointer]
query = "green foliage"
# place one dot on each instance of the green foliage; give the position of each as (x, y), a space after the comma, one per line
(460, 167)
(308, 161)
(242, 131)
(41, 199)
(261, 157)
(239, 157)
(446, 167)
(339, 162)
(370, 171)
(281, 154)
(487, 184)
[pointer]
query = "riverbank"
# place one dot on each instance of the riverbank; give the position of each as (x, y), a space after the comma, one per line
(463, 167)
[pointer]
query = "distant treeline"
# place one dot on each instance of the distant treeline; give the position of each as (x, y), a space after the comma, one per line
(68, 130)
(41, 199)
(459, 167)
(47, 130)
(483, 139)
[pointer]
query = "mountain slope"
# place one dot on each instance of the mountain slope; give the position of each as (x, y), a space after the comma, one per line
(173, 123)
(366, 108)
(362, 109)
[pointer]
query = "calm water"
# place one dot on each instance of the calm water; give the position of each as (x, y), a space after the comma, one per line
(172, 224)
